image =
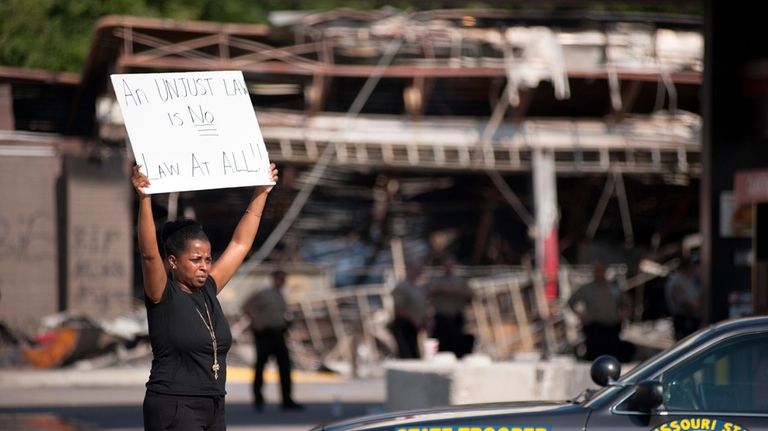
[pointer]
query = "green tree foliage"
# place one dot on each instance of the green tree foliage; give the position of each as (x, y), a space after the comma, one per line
(54, 34)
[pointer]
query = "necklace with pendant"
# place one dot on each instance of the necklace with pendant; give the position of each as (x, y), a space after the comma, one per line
(209, 326)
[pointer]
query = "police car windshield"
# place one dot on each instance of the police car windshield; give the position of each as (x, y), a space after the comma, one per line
(671, 351)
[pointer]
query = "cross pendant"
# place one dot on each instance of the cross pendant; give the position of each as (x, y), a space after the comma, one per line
(215, 368)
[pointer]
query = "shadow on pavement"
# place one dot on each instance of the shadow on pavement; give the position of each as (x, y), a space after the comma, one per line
(82, 418)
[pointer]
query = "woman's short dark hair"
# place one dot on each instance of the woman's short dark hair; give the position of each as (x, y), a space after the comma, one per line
(176, 234)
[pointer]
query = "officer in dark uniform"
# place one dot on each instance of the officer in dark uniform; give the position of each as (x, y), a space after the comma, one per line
(267, 311)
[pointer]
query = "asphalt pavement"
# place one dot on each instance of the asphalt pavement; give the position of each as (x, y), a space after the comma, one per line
(110, 399)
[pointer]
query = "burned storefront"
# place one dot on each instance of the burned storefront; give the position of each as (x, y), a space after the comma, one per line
(519, 142)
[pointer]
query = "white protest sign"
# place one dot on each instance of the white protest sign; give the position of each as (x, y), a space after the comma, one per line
(193, 130)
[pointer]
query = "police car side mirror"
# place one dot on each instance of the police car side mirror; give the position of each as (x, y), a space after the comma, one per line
(648, 395)
(605, 370)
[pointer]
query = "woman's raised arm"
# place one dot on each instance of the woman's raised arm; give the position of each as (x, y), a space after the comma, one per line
(152, 268)
(243, 236)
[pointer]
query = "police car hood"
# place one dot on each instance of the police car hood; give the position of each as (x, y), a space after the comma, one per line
(517, 413)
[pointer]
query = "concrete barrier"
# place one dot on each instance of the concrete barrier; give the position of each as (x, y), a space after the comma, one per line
(443, 380)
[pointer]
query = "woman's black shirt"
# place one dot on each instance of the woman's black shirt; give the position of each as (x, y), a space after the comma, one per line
(181, 345)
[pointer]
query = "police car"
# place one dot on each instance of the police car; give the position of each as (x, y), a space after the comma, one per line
(716, 379)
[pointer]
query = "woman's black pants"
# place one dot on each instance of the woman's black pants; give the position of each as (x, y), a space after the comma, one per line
(183, 413)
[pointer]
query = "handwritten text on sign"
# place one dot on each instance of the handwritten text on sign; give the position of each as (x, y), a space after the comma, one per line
(193, 130)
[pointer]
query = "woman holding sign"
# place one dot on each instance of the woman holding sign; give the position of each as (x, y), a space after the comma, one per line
(188, 331)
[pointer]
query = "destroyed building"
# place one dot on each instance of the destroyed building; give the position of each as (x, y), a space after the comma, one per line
(505, 138)
(435, 121)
